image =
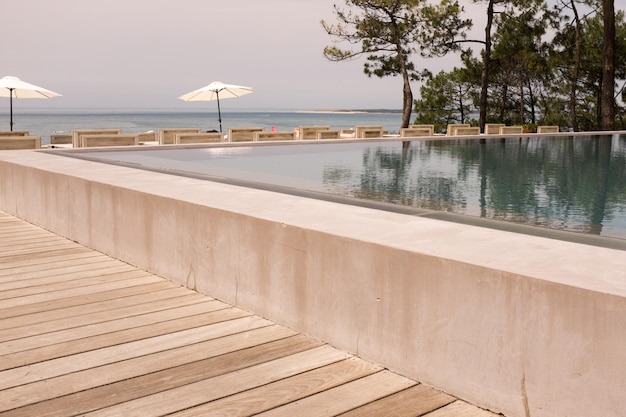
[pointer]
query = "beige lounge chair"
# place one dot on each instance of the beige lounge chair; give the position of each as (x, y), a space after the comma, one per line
(451, 128)
(431, 128)
(493, 128)
(78, 133)
(328, 134)
(115, 139)
(410, 132)
(20, 142)
(167, 136)
(243, 134)
(310, 132)
(463, 131)
(267, 136)
(547, 129)
(208, 137)
(368, 132)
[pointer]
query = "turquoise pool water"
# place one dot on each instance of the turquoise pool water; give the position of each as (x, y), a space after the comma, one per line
(572, 183)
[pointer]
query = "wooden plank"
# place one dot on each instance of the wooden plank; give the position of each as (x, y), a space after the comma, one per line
(87, 280)
(461, 409)
(122, 294)
(414, 401)
(64, 274)
(278, 393)
(10, 266)
(97, 317)
(25, 240)
(143, 278)
(36, 247)
(190, 395)
(42, 255)
(81, 361)
(65, 262)
(85, 309)
(115, 383)
(197, 315)
(344, 397)
(179, 304)
(84, 282)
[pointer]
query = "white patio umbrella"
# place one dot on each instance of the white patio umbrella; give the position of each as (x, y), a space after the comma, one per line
(215, 91)
(14, 87)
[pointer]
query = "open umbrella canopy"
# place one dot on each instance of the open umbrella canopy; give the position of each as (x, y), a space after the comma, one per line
(14, 87)
(215, 91)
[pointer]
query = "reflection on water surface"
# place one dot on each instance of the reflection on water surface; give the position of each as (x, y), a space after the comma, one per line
(568, 183)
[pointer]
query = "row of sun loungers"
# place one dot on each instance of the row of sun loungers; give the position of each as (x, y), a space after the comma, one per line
(460, 129)
(83, 138)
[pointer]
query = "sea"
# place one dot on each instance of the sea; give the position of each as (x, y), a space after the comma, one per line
(47, 122)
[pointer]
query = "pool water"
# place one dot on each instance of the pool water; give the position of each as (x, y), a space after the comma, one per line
(573, 183)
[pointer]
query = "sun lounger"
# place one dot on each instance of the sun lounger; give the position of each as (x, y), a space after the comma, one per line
(493, 128)
(368, 132)
(431, 128)
(409, 132)
(263, 136)
(14, 133)
(328, 134)
(547, 129)
(167, 136)
(463, 131)
(77, 134)
(511, 129)
(451, 128)
(243, 134)
(115, 139)
(209, 137)
(310, 132)
(20, 142)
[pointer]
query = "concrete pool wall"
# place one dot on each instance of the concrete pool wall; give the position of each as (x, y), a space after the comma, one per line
(517, 324)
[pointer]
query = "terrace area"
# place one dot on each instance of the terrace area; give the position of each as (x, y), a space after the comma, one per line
(509, 322)
(83, 333)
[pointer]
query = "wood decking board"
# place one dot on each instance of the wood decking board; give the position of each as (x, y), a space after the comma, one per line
(414, 401)
(122, 297)
(88, 271)
(140, 278)
(94, 318)
(39, 269)
(80, 282)
(131, 334)
(84, 334)
(184, 307)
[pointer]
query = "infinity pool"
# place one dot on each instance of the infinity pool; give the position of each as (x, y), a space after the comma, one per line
(572, 183)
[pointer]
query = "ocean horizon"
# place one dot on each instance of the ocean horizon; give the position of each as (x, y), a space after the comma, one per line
(45, 121)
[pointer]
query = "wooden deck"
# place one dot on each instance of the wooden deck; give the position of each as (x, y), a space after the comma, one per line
(84, 334)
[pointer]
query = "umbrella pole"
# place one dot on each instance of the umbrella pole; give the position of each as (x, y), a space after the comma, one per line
(219, 112)
(11, 107)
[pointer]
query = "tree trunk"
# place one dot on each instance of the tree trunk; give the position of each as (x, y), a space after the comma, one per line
(573, 115)
(484, 76)
(607, 99)
(407, 100)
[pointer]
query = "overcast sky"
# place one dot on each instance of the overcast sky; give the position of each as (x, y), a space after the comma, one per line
(131, 54)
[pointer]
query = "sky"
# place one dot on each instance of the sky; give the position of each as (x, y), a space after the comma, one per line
(143, 54)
